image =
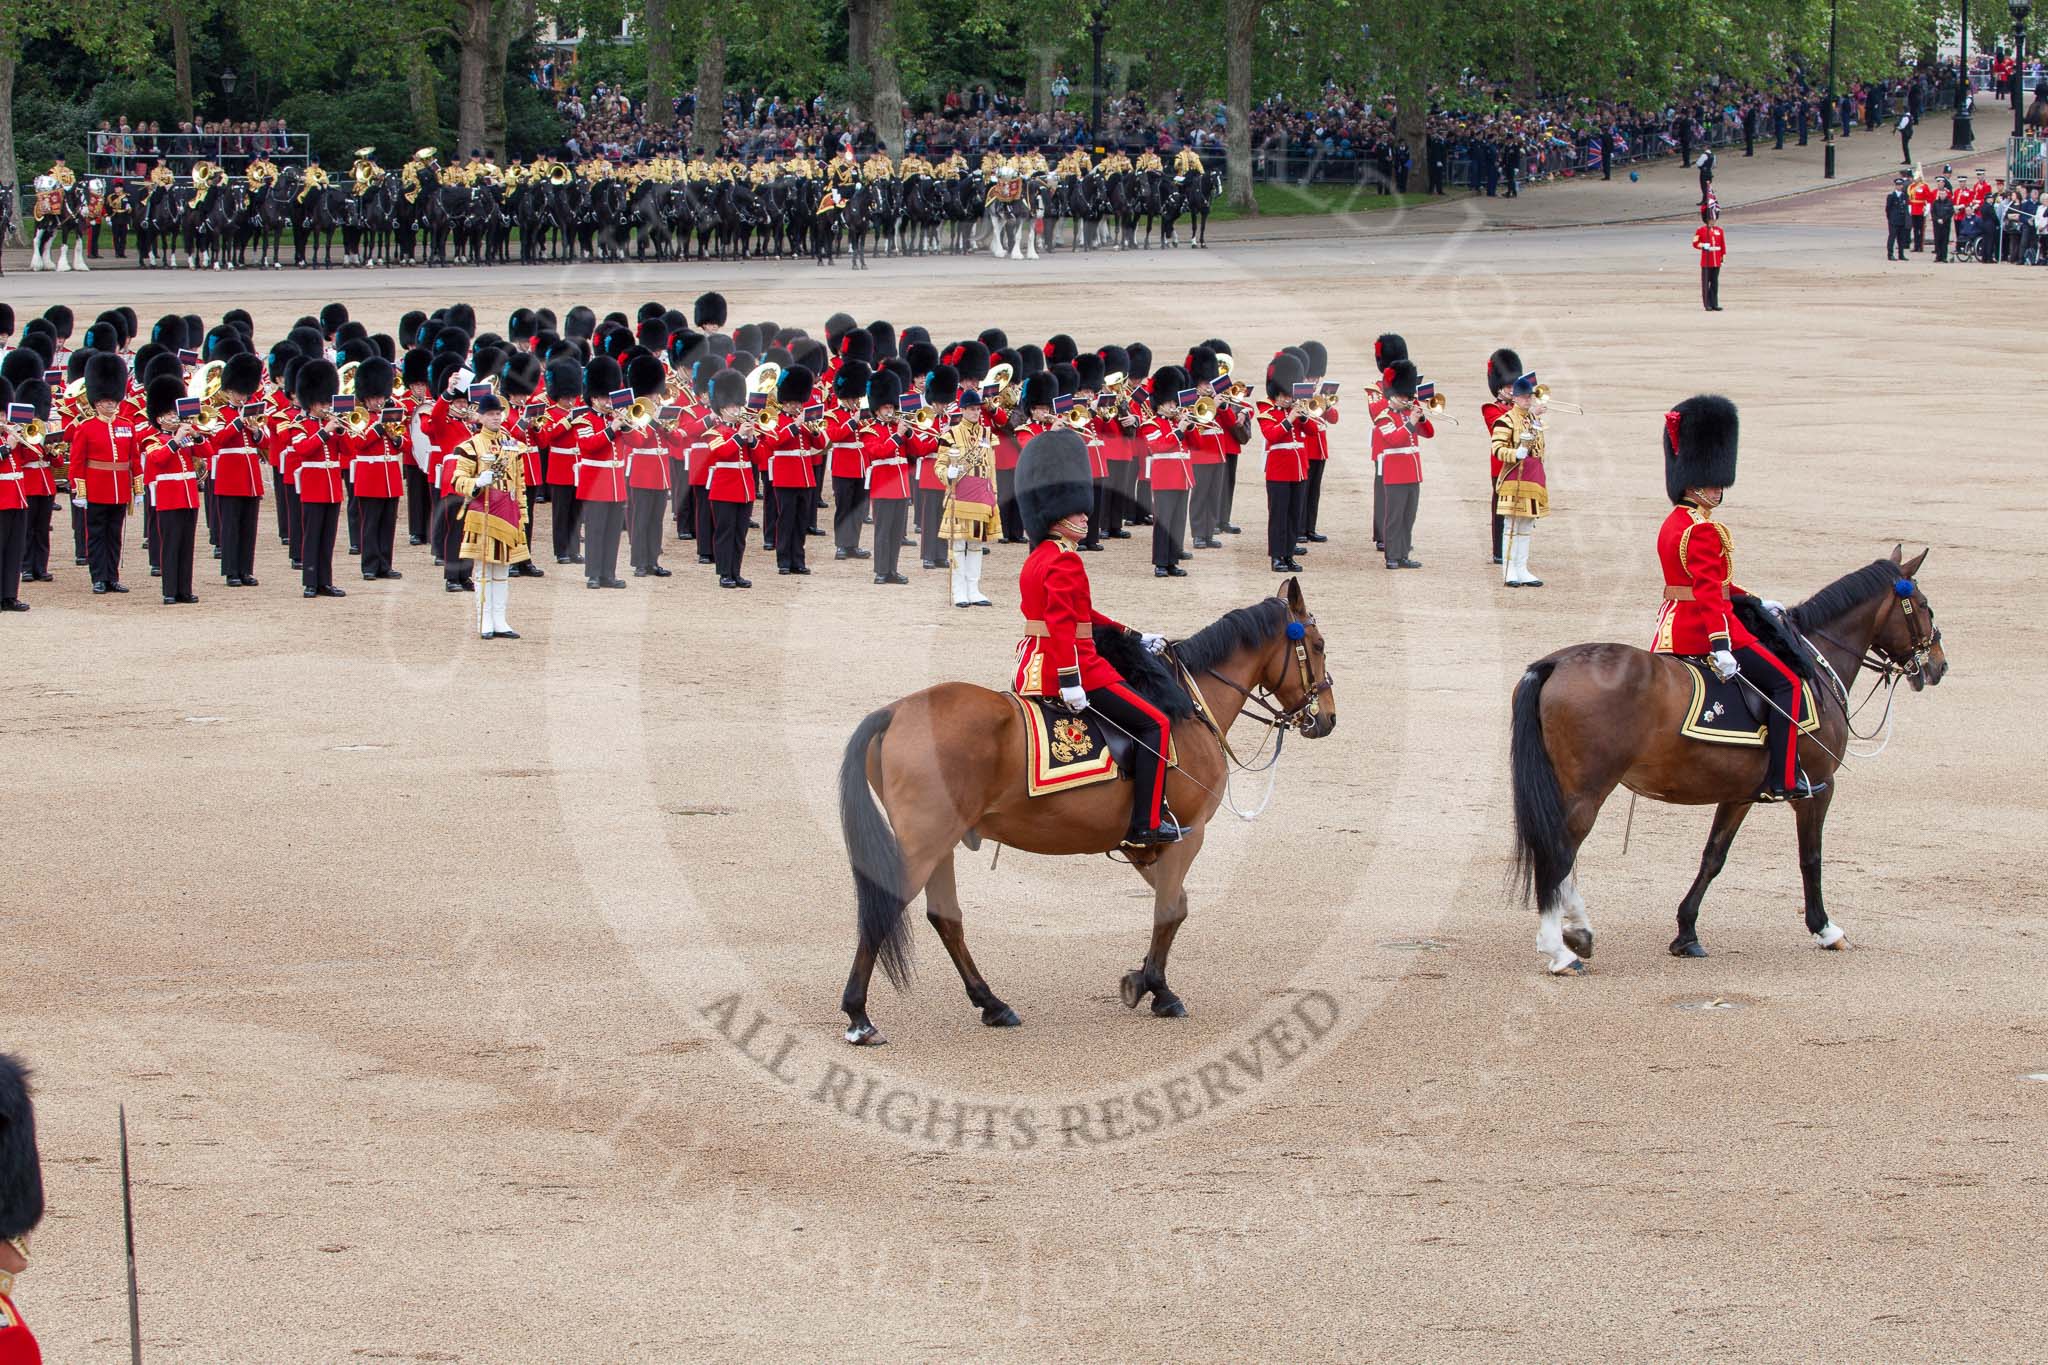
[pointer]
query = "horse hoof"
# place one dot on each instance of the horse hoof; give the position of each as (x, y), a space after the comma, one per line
(1168, 1006)
(999, 1015)
(1831, 938)
(1579, 940)
(1132, 989)
(1571, 968)
(865, 1034)
(1687, 947)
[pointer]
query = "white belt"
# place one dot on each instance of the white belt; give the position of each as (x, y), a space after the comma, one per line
(167, 478)
(35, 464)
(319, 464)
(775, 455)
(1283, 445)
(867, 480)
(376, 459)
(601, 464)
(730, 464)
(844, 445)
(12, 478)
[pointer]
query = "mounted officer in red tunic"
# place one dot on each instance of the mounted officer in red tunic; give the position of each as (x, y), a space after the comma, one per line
(1057, 657)
(21, 1206)
(1698, 557)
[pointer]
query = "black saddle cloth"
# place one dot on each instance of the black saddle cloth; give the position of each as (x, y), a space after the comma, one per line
(1732, 712)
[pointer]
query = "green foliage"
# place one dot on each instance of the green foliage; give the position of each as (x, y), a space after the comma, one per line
(142, 97)
(531, 124)
(375, 115)
(47, 127)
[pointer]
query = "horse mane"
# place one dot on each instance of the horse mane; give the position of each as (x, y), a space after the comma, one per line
(1234, 630)
(1851, 590)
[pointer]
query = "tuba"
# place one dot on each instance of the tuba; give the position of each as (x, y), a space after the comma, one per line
(558, 174)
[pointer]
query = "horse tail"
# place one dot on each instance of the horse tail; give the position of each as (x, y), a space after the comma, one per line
(876, 857)
(1543, 849)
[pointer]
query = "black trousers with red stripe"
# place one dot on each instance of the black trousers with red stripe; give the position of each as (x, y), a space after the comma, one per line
(1145, 723)
(1781, 685)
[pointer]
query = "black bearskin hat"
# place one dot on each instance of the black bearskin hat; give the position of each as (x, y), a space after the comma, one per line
(354, 352)
(351, 331)
(1167, 382)
(1388, 348)
(6, 319)
(241, 373)
(1140, 357)
(1030, 359)
(1115, 360)
(728, 387)
(746, 337)
(884, 334)
(851, 381)
(414, 368)
(409, 324)
(922, 357)
(884, 391)
(645, 376)
(373, 378)
(1053, 481)
(161, 364)
(857, 345)
(61, 319)
(602, 376)
(1282, 375)
(942, 387)
(905, 380)
(1699, 445)
(793, 389)
(811, 354)
(331, 318)
(1065, 378)
(581, 322)
(1039, 391)
(709, 311)
(1503, 368)
(653, 334)
(649, 309)
(458, 315)
(105, 336)
(160, 399)
(169, 331)
(971, 359)
(1088, 370)
(106, 379)
(521, 375)
(36, 394)
(565, 380)
(1202, 368)
(1401, 379)
(21, 1170)
(1318, 358)
(521, 325)
(316, 382)
(1060, 349)
(441, 372)
(20, 366)
(995, 338)
(837, 326)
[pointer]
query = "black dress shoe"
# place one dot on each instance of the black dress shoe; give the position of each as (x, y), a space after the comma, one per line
(1316, 538)
(1161, 573)
(391, 573)
(369, 578)
(415, 540)
(155, 572)
(39, 578)
(234, 582)
(188, 600)
(728, 582)
(298, 567)
(562, 559)
(801, 569)
(615, 582)
(1532, 582)
(332, 592)
(508, 635)
(216, 552)
(80, 561)
(660, 572)
(1167, 833)
(451, 585)
(355, 551)
(13, 604)
(309, 592)
(1185, 556)
(1280, 566)
(744, 582)
(117, 587)
(592, 583)
(639, 573)
(170, 599)
(1092, 546)
(1118, 535)
(786, 572)
(1233, 530)
(249, 582)
(1176, 572)
(1411, 563)
(1293, 565)
(575, 559)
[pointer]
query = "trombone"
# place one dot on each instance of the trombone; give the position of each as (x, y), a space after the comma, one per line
(1439, 411)
(1542, 395)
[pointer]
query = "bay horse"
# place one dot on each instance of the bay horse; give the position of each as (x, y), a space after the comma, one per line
(948, 766)
(1595, 716)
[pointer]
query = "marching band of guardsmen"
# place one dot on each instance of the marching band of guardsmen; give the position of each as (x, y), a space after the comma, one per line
(615, 423)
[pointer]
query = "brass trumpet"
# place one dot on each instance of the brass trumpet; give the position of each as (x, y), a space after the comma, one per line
(33, 432)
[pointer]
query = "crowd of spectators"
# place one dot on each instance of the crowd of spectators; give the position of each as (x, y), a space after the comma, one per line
(121, 148)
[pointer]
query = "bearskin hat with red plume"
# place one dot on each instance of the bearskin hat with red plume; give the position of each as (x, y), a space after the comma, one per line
(1699, 445)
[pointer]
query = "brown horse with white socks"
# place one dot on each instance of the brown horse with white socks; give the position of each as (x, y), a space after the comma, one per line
(948, 764)
(1593, 717)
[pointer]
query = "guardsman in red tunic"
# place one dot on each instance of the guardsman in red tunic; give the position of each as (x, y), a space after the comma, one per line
(792, 471)
(313, 460)
(1397, 434)
(1697, 555)
(233, 457)
(601, 473)
(1712, 243)
(170, 473)
(13, 500)
(732, 486)
(1097, 430)
(1057, 656)
(1503, 367)
(1169, 469)
(21, 1206)
(1118, 427)
(1205, 445)
(1315, 439)
(1387, 348)
(887, 454)
(560, 442)
(372, 457)
(844, 459)
(645, 451)
(1283, 423)
(416, 372)
(106, 467)
(38, 468)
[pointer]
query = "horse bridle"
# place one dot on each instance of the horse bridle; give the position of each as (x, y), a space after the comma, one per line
(1921, 638)
(1302, 715)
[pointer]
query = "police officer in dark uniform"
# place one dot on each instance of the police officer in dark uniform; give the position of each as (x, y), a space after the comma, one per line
(1898, 221)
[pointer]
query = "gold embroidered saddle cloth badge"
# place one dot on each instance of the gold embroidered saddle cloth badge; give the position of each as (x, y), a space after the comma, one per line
(1730, 713)
(1065, 750)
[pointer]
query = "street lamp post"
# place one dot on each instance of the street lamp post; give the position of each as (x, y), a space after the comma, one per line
(1098, 29)
(1827, 125)
(1962, 137)
(2019, 9)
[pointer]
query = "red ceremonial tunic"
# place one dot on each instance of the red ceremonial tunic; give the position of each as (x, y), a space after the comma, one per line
(558, 443)
(843, 444)
(1397, 447)
(1286, 454)
(17, 1344)
(791, 454)
(373, 463)
(1008, 446)
(646, 456)
(13, 490)
(1316, 435)
(104, 458)
(171, 474)
(1060, 621)
(888, 465)
(1167, 463)
(1102, 436)
(1698, 558)
(1711, 243)
(1489, 413)
(313, 464)
(38, 470)
(234, 460)
(731, 465)
(600, 473)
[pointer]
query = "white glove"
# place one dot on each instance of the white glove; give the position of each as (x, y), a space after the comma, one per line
(1154, 644)
(1774, 608)
(1725, 666)
(1076, 698)
(485, 479)
(78, 500)
(952, 472)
